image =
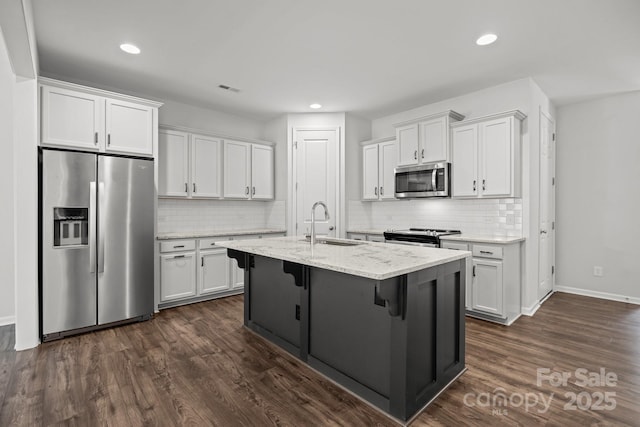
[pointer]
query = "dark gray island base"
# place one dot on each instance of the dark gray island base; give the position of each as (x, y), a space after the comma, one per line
(397, 342)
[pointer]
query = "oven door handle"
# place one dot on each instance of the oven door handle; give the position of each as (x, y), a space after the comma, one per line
(402, 242)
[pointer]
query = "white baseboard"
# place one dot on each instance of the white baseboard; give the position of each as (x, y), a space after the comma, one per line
(596, 294)
(7, 320)
(531, 310)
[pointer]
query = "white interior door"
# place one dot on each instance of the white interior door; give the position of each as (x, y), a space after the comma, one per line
(316, 166)
(547, 207)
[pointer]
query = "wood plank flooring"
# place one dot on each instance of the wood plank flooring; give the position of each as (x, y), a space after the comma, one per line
(196, 365)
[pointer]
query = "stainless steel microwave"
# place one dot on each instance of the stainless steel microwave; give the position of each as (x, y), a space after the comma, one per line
(427, 180)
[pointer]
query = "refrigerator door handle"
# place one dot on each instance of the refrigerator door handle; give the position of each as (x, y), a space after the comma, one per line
(92, 227)
(101, 221)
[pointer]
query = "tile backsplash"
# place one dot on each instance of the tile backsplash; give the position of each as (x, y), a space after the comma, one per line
(478, 216)
(176, 215)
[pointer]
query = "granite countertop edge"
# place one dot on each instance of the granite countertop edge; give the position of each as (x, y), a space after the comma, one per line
(217, 233)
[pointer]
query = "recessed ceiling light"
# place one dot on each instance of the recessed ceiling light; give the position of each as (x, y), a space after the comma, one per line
(315, 106)
(486, 39)
(130, 48)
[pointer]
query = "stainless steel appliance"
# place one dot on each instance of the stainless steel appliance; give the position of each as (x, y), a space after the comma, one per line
(96, 241)
(428, 180)
(417, 236)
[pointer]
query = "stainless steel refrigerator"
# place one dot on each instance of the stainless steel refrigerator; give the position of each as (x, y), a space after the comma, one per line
(96, 241)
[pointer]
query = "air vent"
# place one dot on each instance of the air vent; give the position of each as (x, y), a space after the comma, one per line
(229, 88)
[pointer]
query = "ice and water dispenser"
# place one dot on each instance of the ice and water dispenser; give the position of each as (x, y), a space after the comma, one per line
(70, 226)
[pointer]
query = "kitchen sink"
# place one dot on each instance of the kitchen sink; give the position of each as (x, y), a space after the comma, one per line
(334, 242)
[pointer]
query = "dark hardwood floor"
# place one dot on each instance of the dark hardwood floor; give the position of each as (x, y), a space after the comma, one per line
(197, 365)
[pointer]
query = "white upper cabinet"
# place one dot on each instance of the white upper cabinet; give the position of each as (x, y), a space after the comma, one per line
(262, 172)
(408, 144)
(237, 158)
(426, 139)
(71, 119)
(206, 167)
(486, 156)
(90, 119)
(129, 128)
(189, 165)
(378, 163)
(173, 163)
(248, 171)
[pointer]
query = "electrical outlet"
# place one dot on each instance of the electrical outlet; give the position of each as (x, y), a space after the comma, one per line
(598, 271)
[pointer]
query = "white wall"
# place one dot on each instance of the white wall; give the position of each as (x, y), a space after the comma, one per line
(179, 114)
(598, 202)
(357, 130)
(7, 232)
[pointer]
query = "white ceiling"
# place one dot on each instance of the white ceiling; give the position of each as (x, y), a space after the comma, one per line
(368, 57)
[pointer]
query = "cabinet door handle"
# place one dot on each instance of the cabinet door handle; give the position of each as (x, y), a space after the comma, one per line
(201, 261)
(194, 187)
(415, 155)
(108, 139)
(484, 185)
(375, 190)
(474, 185)
(246, 191)
(186, 187)
(95, 138)
(253, 191)
(382, 191)
(474, 271)
(423, 153)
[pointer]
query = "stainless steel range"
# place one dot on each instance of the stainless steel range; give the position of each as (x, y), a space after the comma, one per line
(428, 237)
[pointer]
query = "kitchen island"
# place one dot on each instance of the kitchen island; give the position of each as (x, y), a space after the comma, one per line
(384, 321)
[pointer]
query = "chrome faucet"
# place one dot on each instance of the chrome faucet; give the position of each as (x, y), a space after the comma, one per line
(313, 219)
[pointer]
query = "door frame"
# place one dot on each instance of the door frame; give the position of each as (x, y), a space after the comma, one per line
(293, 170)
(552, 231)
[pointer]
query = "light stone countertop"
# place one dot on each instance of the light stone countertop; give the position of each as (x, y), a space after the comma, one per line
(377, 232)
(372, 260)
(476, 238)
(216, 233)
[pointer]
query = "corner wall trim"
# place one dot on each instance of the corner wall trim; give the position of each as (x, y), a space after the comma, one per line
(7, 320)
(596, 294)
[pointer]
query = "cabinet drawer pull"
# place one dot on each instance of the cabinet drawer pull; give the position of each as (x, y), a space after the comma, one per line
(178, 246)
(178, 256)
(213, 244)
(486, 252)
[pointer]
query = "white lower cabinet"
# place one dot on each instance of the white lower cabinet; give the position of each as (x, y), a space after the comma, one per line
(197, 269)
(177, 275)
(493, 280)
(212, 274)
